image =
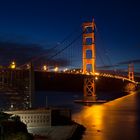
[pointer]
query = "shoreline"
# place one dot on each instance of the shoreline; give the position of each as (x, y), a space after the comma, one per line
(70, 132)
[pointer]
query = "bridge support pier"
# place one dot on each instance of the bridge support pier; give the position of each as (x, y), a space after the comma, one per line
(89, 92)
(89, 89)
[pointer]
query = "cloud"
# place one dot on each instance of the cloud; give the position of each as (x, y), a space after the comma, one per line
(134, 61)
(23, 53)
(107, 66)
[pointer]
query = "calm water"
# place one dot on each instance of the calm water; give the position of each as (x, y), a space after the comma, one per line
(118, 119)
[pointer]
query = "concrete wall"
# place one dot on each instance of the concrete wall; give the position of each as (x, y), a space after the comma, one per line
(43, 117)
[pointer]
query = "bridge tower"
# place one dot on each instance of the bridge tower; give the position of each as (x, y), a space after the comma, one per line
(131, 71)
(89, 60)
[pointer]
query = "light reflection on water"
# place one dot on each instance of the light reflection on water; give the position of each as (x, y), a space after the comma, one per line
(117, 119)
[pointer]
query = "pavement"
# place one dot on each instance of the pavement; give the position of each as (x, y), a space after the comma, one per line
(54, 132)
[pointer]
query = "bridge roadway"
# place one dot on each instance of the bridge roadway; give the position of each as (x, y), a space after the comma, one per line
(15, 84)
(74, 81)
(63, 81)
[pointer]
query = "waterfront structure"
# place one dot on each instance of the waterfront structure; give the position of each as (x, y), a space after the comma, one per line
(34, 118)
(43, 117)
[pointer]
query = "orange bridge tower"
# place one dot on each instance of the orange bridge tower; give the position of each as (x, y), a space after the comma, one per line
(131, 71)
(89, 60)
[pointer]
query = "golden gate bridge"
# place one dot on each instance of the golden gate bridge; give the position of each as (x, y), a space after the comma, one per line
(20, 80)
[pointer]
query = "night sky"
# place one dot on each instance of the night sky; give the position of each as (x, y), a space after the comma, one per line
(29, 27)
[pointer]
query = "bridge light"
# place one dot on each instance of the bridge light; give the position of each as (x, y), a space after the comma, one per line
(96, 73)
(12, 106)
(56, 69)
(65, 69)
(96, 78)
(28, 66)
(13, 65)
(87, 73)
(44, 68)
(91, 73)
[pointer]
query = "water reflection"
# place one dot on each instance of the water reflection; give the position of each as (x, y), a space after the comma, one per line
(113, 120)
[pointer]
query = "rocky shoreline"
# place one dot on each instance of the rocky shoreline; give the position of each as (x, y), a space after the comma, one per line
(78, 133)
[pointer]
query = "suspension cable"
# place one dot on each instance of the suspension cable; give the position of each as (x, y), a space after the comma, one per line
(54, 47)
(73, 41)
(103, 48)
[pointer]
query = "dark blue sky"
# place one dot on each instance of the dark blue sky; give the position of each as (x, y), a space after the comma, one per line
(47, 22)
